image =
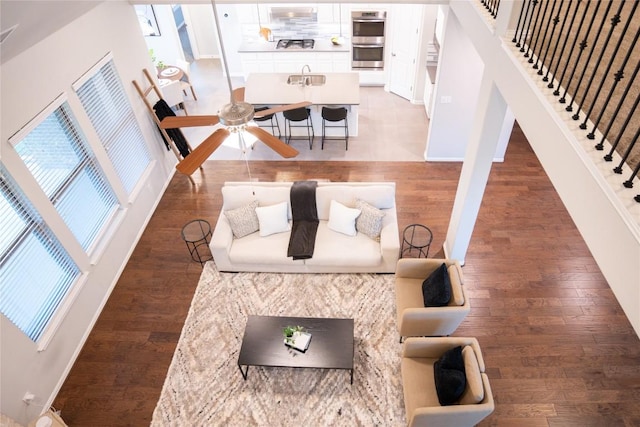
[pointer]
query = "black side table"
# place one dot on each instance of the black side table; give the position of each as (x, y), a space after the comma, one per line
(196, 234)
(416, 238)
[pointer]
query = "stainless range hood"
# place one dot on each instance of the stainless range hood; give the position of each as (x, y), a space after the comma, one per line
(293, 13)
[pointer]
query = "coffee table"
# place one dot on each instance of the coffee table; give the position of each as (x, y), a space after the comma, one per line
(331, 345)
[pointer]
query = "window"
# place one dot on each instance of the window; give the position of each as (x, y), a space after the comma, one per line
(105, 101)
(36, 272)
(59, 159)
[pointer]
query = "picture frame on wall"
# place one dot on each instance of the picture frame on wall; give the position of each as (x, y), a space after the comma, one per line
(147, 20)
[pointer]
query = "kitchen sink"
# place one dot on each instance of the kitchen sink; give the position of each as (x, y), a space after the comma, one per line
(307, 79)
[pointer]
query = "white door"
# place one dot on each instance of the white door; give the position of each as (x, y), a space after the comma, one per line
(405, 39)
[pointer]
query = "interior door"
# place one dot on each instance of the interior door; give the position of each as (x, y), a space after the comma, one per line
(405, 39)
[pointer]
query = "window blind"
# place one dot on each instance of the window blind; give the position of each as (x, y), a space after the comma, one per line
(56, 153)
(108, 108)
(36, 273)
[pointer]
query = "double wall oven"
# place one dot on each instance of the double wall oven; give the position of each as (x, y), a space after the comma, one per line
(367, 41)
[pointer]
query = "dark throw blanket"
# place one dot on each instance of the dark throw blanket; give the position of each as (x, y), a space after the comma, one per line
(163, 110)
(305, 219)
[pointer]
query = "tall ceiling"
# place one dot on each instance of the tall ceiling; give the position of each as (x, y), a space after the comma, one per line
(34, 20)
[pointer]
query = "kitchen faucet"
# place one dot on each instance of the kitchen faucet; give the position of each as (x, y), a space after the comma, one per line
(303, 82)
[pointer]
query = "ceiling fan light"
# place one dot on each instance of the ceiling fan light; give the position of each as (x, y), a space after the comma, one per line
(236, 114)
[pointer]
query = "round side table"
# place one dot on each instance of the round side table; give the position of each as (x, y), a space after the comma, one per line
(196, 234)
(416, 238)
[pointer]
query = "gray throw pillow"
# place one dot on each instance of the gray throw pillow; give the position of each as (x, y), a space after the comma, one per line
(243, 220)
(370, 220)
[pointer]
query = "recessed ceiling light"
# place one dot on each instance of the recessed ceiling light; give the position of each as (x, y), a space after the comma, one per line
(7, 33)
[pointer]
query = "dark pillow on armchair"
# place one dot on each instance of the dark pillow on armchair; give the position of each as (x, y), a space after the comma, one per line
(450, 377)
(436, 289)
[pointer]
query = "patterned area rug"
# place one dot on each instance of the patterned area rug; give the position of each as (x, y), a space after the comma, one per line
(204, 385)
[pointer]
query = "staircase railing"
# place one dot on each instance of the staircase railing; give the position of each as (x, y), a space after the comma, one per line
(587, 53)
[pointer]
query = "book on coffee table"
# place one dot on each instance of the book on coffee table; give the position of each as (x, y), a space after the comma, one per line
(300, 342)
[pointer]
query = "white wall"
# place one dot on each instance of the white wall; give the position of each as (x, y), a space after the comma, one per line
(458, 79)
(30, 82)
(204, 30)
(166, 47)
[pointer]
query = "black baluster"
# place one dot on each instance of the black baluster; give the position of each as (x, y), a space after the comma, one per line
(583, 44)
(555, 49)
(614, 22)
(522, 33)
(576, 116)
(617, 77)
(496, 7)
(515, 35)
(629, 183)
(625, 156)
(535, 24)
(600, 145)
(538, 33)
(573, 20)
(546, 30)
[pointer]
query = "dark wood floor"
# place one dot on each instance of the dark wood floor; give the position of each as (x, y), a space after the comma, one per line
(558, 348)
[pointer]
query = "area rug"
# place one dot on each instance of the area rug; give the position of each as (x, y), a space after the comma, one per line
(204, 386)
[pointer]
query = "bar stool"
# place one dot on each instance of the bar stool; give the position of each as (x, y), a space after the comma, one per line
(272, 118)
(335, 115)
(298, 115)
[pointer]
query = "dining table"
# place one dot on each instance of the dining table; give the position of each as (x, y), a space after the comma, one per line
(170, 72)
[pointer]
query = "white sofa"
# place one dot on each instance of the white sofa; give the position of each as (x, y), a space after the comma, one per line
(334, 252)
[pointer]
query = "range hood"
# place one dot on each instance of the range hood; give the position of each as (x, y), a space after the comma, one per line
(293, 13)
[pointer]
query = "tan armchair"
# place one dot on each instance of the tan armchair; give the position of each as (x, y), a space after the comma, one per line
(416, 320)
(420, 398)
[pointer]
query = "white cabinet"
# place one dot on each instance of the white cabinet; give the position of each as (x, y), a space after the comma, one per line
(327, 13)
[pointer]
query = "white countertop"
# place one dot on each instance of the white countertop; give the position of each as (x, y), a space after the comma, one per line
(320, 45)
(272, 89)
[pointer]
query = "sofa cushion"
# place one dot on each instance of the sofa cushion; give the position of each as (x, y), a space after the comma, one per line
(243, 220)
(269, 250)
(273, 219)
(369, 221)
(474, 390)
(235, 196)
(379, 196)
(436, 289)
(339, 250)
(343, 219)
(449, 376)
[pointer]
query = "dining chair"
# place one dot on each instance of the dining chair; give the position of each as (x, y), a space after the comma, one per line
(185, 82)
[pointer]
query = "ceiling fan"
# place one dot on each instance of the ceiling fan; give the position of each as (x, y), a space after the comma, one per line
(235, 117)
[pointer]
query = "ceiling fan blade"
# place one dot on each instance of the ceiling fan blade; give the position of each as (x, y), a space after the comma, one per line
(282, 108)
(272, 142)
(172, 122)
(238, 94)
(193, 161)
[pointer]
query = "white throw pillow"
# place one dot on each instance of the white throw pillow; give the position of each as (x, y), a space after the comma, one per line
(273, 219)
(243, 220)
(342, 219)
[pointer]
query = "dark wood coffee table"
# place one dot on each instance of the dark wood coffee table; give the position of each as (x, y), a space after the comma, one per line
(331, 345)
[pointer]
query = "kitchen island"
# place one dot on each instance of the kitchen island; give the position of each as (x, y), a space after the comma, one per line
(340, 89)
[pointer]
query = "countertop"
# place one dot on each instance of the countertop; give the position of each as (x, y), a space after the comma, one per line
(320, 45)
(272, 89)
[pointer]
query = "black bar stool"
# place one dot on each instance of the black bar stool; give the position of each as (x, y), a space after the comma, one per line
(272, 118)
(335, 115)
(298, 115)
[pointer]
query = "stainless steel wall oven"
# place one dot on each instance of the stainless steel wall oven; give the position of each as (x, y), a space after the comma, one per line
(367, 39)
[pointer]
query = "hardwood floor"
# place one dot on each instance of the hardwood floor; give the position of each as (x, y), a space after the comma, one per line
(558, 348)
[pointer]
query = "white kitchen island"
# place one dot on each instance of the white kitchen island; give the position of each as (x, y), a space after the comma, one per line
(340, 89)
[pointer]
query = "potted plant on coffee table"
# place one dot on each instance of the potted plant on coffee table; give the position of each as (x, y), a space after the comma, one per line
(289, 333)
